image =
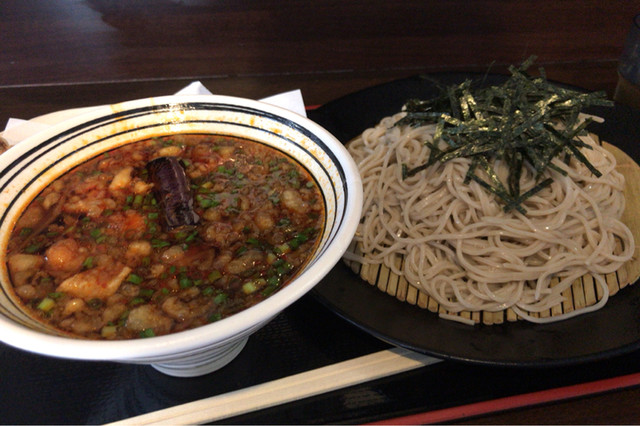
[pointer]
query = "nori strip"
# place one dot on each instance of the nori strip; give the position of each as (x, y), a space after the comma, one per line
(517, 122)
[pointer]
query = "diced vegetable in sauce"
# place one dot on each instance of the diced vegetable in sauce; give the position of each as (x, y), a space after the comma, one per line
(116, 250)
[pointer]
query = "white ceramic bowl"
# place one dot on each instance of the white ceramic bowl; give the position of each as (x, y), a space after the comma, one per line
(28, 167)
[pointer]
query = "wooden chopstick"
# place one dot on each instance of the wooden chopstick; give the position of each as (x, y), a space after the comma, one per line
(291, 388)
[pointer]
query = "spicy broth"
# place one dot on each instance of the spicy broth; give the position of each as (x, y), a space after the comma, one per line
(93, 254)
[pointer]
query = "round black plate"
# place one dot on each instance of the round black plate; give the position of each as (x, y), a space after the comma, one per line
(613, 330)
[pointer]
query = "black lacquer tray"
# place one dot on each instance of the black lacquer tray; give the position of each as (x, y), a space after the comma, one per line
(613, 330)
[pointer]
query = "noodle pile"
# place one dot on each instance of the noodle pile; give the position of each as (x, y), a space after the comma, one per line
(459, 246)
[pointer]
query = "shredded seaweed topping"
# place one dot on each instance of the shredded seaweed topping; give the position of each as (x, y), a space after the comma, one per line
(526, 120)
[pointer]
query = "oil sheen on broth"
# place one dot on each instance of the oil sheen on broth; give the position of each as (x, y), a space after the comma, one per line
(164, 235)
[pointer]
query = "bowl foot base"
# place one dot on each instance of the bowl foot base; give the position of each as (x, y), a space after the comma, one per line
(204, 363)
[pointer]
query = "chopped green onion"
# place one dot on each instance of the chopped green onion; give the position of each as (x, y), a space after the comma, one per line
(274, 197)
(32, 248)
(225, 170)
(273, 280)
(146, 292)
(207, 202)
(185, 282)
(271, 257)
(88, 263)
(186, 236)
(148, 332)
(285, 268)
(156, 243)
(213, 276)
(220, 298)
(269, 289)
(134, 278)
(180, 235)
(108, 331)
(137, 301)
(282, 248)
(46, 304)
(249, 287)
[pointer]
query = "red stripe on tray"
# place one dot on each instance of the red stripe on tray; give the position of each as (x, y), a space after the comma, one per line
(516, 401)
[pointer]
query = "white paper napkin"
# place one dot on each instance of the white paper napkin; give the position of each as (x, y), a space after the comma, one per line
(291, 100)
(17, 129)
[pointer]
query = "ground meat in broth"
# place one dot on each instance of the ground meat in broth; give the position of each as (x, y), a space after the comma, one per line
(91, 255)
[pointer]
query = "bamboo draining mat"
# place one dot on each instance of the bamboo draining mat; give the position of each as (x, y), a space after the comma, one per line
(584, 292)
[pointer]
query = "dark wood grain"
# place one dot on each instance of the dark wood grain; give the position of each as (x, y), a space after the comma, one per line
(33, 100)
(52, 42)
(326, 48)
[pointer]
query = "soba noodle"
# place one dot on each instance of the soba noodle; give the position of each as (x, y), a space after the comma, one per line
(461, 248)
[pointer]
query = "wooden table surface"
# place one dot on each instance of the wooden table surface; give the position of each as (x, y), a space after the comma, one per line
(65, 54)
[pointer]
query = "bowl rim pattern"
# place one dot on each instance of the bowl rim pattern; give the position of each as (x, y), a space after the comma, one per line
(177, 112)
